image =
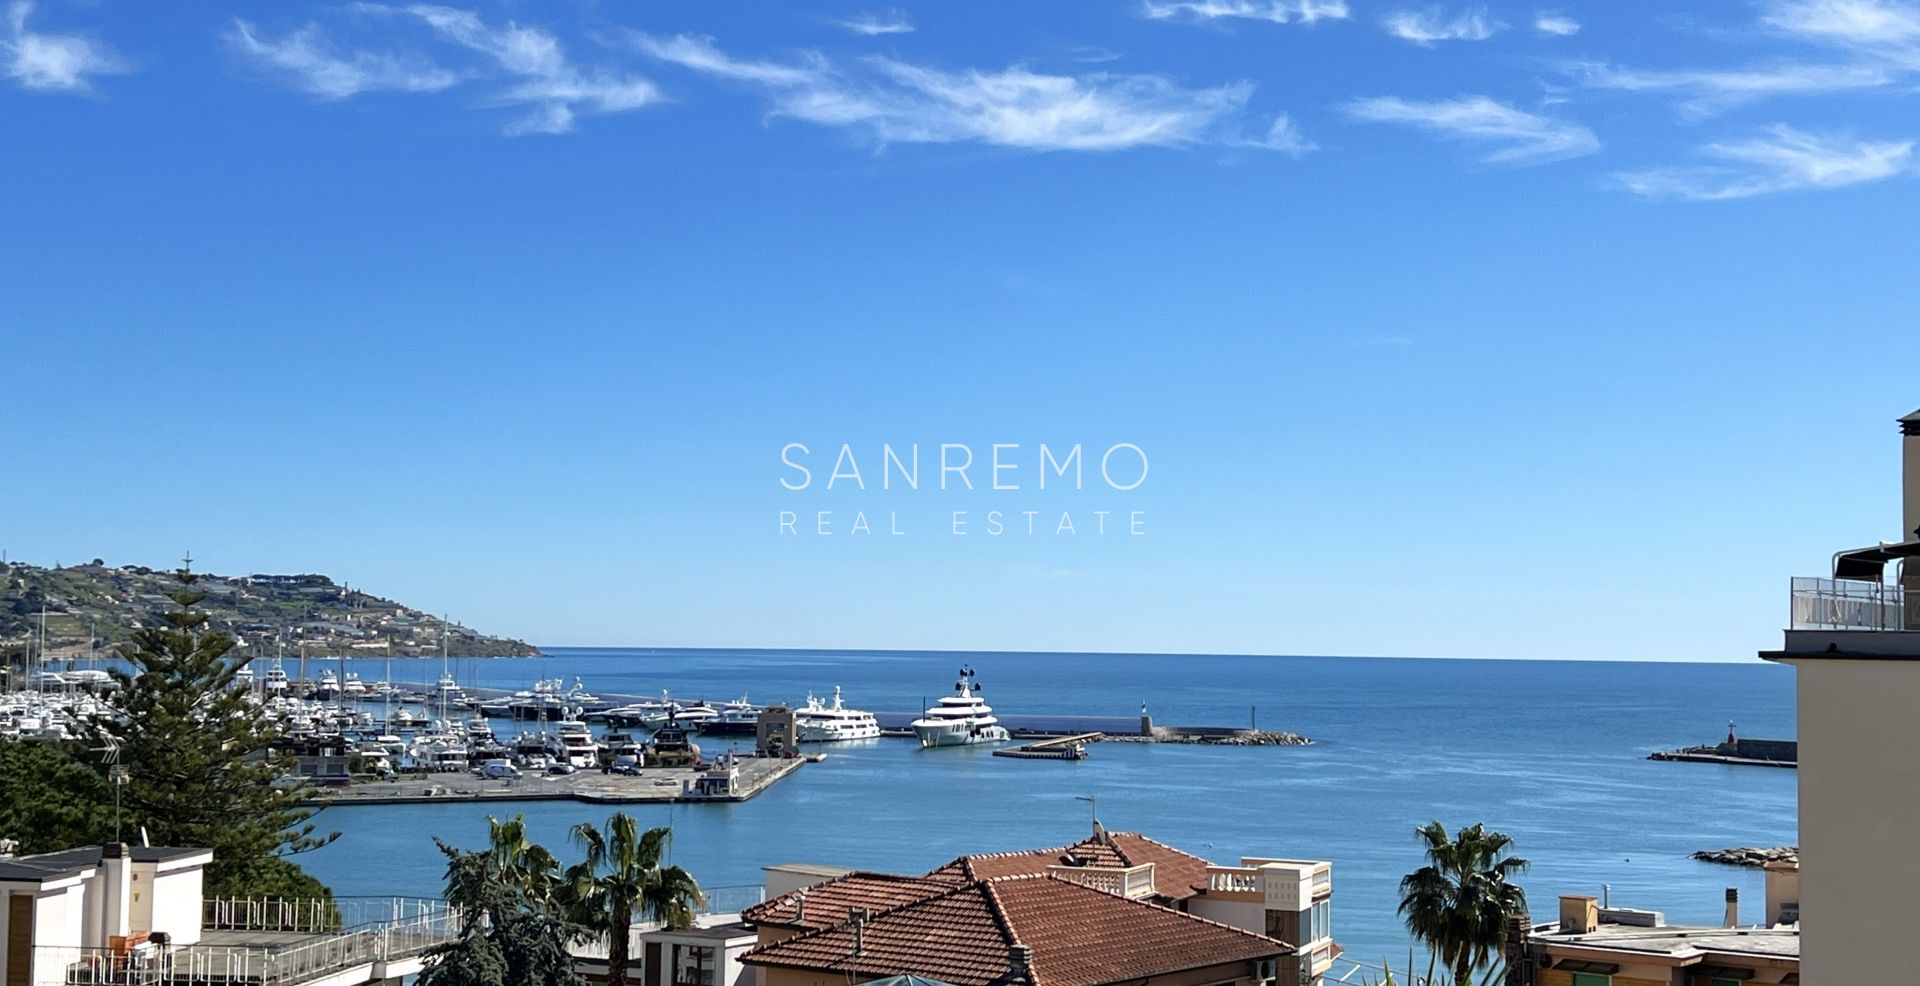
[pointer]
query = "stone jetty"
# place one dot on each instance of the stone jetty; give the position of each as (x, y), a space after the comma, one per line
(1210, 737)
(1749, 856)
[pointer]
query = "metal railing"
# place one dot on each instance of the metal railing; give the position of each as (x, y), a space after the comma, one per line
(731, 900)
(1841, 604)
(388, 929)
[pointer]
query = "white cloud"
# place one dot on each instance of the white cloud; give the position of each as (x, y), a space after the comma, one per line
(309, 62)
(52, 62)
(1525, 138)
(1284, 137)
(893, 101)
(1781, 160)
(1430, 24)
(890, 21)
(1556, 24)
(1711, 90)
(1861, 22)
(1274, 11)
(528, 64)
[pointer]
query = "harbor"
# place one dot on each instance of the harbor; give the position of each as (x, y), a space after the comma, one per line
(748, 777)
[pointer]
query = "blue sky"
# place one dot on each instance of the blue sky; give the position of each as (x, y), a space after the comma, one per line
(1516, 330)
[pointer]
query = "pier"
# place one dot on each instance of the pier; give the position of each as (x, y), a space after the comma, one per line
(1056, 748)
(653, 785)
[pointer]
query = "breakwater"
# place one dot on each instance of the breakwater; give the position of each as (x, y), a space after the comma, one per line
(1752, 752)
(1749, 856)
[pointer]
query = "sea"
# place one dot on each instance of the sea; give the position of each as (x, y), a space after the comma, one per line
(1552, 753)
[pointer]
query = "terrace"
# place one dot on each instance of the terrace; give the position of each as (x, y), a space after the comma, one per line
(271, 942)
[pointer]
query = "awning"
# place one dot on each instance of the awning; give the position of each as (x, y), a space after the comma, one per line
(1581, 965)
(1868, 564)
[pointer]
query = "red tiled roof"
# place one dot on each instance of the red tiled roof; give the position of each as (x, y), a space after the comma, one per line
(1079, 937)
(831, 903)
(1176, 875)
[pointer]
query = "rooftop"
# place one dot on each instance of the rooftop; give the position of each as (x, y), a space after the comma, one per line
(1078, 936)
(1177, 875)
(42, 867)
(831, 903)
(1681, 941)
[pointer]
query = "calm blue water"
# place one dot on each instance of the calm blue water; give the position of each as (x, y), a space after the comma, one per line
(1553, 753)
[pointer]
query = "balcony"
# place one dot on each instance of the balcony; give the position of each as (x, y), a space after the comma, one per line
(273, 942)
(1131, 882)
(1843, 604)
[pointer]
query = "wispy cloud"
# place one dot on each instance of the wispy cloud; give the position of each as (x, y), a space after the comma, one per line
(873, 24)
(894, 101)
(1711, 90)
(1523, 138)
(1273, 11)
(528, 65)
(308, 61)
(1556, 24)
(1782, 159)
(1856, 22)
(52, 62)
(1428, 25)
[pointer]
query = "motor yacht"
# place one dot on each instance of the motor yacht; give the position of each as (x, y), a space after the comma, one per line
(819, 722)
(960, 719)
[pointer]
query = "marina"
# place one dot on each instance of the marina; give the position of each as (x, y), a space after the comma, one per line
(736, 782)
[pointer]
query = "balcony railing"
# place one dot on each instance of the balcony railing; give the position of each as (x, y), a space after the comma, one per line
(1132, 882)
(1840, 604)
(387, 929)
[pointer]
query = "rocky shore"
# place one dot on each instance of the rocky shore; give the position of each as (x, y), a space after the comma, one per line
(1749, 856)
(1243, 738)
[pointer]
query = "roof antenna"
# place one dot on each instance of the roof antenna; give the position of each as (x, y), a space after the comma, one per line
(1093, 807)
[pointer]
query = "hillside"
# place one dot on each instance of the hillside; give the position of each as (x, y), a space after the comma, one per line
(263, 612)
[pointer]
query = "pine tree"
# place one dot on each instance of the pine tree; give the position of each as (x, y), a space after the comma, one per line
(200, 771)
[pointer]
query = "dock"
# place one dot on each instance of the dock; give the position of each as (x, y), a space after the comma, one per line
(1053, 748)
(653, 785)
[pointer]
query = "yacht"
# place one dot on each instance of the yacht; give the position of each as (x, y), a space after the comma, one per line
(328, 687)
(823, 723)
(960, 719)
(737, 718)
(276, 681)
(353, 687)
(572, 742)
(447, 693)
(695, 715)
(647, 714)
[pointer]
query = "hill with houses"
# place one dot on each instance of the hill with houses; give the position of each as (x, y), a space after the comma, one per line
(96, 605)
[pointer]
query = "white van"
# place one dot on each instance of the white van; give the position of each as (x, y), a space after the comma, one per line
(498, 770)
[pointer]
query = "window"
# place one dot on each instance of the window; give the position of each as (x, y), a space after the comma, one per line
(1591, 979)
(1319, 922)
(692, 965)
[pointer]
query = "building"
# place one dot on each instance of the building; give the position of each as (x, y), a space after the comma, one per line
(1854, 642)
(1115, 907)
(138, 915)
(1596, 945)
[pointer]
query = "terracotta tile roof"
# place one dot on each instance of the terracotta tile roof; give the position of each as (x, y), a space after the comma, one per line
(831, 903)
(1078, 936)
(1176, 875)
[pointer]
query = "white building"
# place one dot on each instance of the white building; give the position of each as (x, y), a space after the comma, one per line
(138, 916)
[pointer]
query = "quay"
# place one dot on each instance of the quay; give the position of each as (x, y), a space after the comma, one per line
(747, 777)
(1737, 750)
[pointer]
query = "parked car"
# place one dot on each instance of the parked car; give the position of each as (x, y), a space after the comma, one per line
(561, 769)
(627, 764)
(497, 770)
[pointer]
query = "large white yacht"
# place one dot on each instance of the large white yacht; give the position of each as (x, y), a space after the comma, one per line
(572, 742)
(960, 719)
(819, 722)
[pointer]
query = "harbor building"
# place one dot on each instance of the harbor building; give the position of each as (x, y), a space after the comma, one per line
(1114, 907)
(1854, 643)
(1594, 944)
(114, 914)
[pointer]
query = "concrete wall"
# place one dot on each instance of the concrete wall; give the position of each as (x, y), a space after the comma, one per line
(1248, 915)
(173, 903)
(1859, 794)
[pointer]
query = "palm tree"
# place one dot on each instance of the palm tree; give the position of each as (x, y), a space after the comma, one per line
(622, 877)
(1458, 904)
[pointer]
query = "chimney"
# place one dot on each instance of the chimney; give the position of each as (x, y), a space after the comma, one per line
(1020, 961)
(1733, 907)
(1579, 914)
